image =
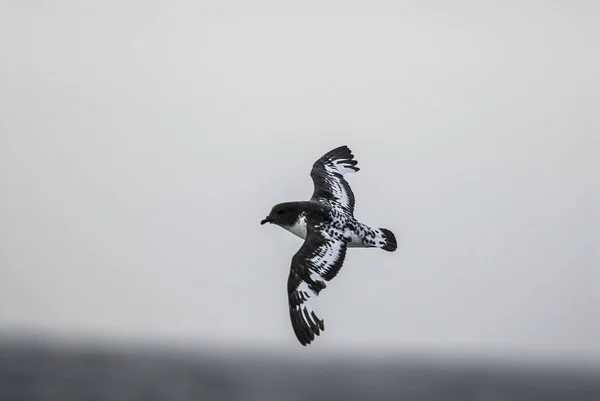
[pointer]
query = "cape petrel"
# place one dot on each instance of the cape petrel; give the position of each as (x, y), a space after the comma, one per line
(327, 225)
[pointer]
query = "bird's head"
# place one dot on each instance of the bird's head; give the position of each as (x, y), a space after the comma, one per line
(283, 214)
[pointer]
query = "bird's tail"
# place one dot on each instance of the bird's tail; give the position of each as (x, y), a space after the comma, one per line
(386, 239)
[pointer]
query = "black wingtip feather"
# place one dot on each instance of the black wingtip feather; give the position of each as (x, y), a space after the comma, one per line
(306, 332)
(341, 152)
(341, 155)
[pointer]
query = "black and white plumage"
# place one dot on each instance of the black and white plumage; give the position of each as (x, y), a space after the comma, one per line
(326, 223)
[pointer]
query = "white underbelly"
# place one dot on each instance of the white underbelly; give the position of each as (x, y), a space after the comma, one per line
(299, 228)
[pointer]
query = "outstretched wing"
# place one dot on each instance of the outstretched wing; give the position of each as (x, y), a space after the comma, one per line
(327, 175)
(317, 261)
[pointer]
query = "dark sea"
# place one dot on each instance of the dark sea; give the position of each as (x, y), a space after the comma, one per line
(57, 373)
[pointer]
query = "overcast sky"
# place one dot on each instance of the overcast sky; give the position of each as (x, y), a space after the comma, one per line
(141, 143)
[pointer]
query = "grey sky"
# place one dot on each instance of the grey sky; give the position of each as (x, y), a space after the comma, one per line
(142, 143)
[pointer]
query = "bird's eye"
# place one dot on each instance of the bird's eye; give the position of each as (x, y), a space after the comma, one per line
(280, 212)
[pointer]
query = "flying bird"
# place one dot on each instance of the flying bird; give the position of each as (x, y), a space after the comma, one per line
(327, 225)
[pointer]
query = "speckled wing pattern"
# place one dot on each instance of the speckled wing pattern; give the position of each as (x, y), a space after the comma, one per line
(330, 186)
(317, 261)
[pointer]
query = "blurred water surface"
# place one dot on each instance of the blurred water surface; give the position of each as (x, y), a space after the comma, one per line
(57, 373)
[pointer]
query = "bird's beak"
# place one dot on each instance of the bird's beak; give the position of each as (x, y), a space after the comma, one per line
(266, 220)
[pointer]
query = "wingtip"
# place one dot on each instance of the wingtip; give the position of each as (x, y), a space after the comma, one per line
(340, 152)
(307, 332)
(341, 158)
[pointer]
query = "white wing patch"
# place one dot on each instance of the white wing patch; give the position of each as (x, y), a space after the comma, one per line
(329, 255)
(310, 305)
(339, 192)
(339, 167)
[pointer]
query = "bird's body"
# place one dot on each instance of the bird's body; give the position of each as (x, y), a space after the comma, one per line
(358, 235)
(327, 225)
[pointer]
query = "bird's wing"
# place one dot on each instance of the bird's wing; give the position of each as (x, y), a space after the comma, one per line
(327, 175)
(317, 261)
